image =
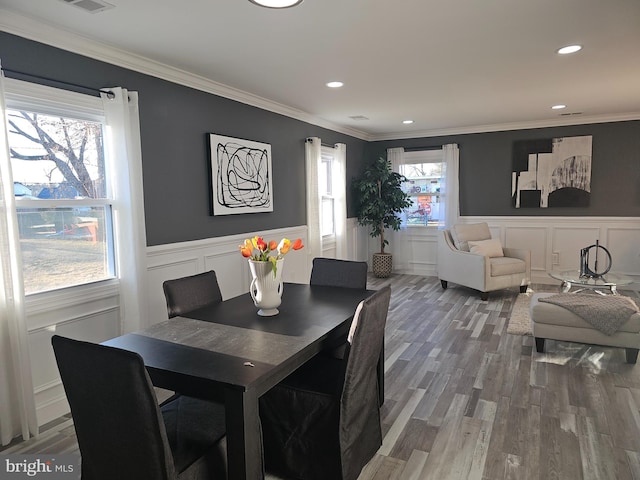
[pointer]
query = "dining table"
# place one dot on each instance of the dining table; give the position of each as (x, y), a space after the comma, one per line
(228, 353)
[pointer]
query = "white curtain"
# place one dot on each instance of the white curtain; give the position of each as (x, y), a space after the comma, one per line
(123, 147)
(394, 155)
(17, 403)
(398, 242)
(313, 157)
(451, 205)
(339, 178)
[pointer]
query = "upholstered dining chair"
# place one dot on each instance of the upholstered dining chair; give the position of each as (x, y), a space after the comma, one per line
(323, 421)
(186, 294)
(122, 431)
(347, 274)
(338, 273)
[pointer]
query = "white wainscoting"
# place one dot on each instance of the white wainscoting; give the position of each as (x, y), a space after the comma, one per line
(555, 243)
(90, 312)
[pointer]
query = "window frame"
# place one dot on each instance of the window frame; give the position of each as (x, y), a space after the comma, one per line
(420, 157)
(21, 95)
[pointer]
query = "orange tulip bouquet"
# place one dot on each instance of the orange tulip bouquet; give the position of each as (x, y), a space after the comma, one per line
(258, 250)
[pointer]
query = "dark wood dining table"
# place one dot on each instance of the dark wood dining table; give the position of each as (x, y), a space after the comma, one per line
(228, 353)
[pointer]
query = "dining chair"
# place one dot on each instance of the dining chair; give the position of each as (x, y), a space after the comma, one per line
(348, 274)
(122, 432)
(338, 273)
(323, 421)
(186, 294)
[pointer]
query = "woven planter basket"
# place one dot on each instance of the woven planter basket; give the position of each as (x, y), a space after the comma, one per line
(382, 264)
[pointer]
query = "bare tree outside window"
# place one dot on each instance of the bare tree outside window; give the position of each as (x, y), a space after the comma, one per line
(68, 150)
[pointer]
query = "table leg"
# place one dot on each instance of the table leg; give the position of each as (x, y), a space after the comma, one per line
(244, 435)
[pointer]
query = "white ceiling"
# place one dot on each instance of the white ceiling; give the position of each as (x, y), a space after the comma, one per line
(452, 66)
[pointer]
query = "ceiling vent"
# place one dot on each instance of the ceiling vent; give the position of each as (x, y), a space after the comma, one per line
(358, 118)
(90, 6)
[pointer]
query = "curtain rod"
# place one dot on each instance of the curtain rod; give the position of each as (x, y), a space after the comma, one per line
(109, 93)
(419, 149)
(308, 139)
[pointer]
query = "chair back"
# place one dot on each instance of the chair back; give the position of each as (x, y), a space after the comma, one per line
(332, 272)
(186, 294)
(118, 423)
(359, 408)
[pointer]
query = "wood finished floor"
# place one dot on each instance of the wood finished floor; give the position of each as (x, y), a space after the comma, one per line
(466, 400)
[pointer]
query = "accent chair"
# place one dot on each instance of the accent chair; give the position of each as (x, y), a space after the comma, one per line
(468, 256)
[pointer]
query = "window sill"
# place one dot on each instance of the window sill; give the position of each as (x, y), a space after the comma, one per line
(37, 303)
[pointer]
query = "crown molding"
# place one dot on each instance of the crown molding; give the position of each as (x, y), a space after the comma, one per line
(500, 127)
(56, 37)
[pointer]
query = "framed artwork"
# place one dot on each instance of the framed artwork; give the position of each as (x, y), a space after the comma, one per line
(554, 172)
(240, 176)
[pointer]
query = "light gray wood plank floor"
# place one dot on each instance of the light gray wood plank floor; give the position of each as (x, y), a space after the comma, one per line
(466, 400)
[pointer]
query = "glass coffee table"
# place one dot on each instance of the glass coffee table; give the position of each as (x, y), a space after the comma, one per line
(609, 281)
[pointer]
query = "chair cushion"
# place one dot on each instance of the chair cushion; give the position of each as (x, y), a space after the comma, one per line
(463, 232)
(506, 266)
(487, 248)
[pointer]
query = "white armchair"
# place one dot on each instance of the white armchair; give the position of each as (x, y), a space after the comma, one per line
(468, 256)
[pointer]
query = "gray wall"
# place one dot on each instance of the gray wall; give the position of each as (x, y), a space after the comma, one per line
(174, 121)
(486, 166)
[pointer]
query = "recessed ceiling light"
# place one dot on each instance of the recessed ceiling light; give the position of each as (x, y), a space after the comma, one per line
(559, 107)
(277, 3)
(569, 49)
(335, 84)
(407, 122)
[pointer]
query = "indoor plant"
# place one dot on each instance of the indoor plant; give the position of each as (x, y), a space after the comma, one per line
(379, 200)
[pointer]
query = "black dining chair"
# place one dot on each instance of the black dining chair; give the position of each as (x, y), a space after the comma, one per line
(338, 273)
(348, 274)
(323, 421)
(186, 294)
(122, 431)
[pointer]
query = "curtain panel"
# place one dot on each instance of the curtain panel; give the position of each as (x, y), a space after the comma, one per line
(339, 177)
(451, 160)
(313, 157)
(17, 403)
(125, 153)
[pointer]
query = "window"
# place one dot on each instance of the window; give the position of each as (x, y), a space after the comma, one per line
(326, 190)
(61, 188)
(425, 175)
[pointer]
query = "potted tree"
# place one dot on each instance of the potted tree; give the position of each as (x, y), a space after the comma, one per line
(379, 200)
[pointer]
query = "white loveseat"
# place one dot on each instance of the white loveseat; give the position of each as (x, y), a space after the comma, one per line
(468, 256)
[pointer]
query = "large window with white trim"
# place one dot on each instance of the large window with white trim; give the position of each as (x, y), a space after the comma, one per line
(63, 196)
(425, 173)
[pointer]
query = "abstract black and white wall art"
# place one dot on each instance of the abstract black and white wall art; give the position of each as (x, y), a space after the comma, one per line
(553, 172)
(240, 176)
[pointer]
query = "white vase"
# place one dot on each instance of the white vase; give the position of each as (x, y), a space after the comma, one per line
(266, 288)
